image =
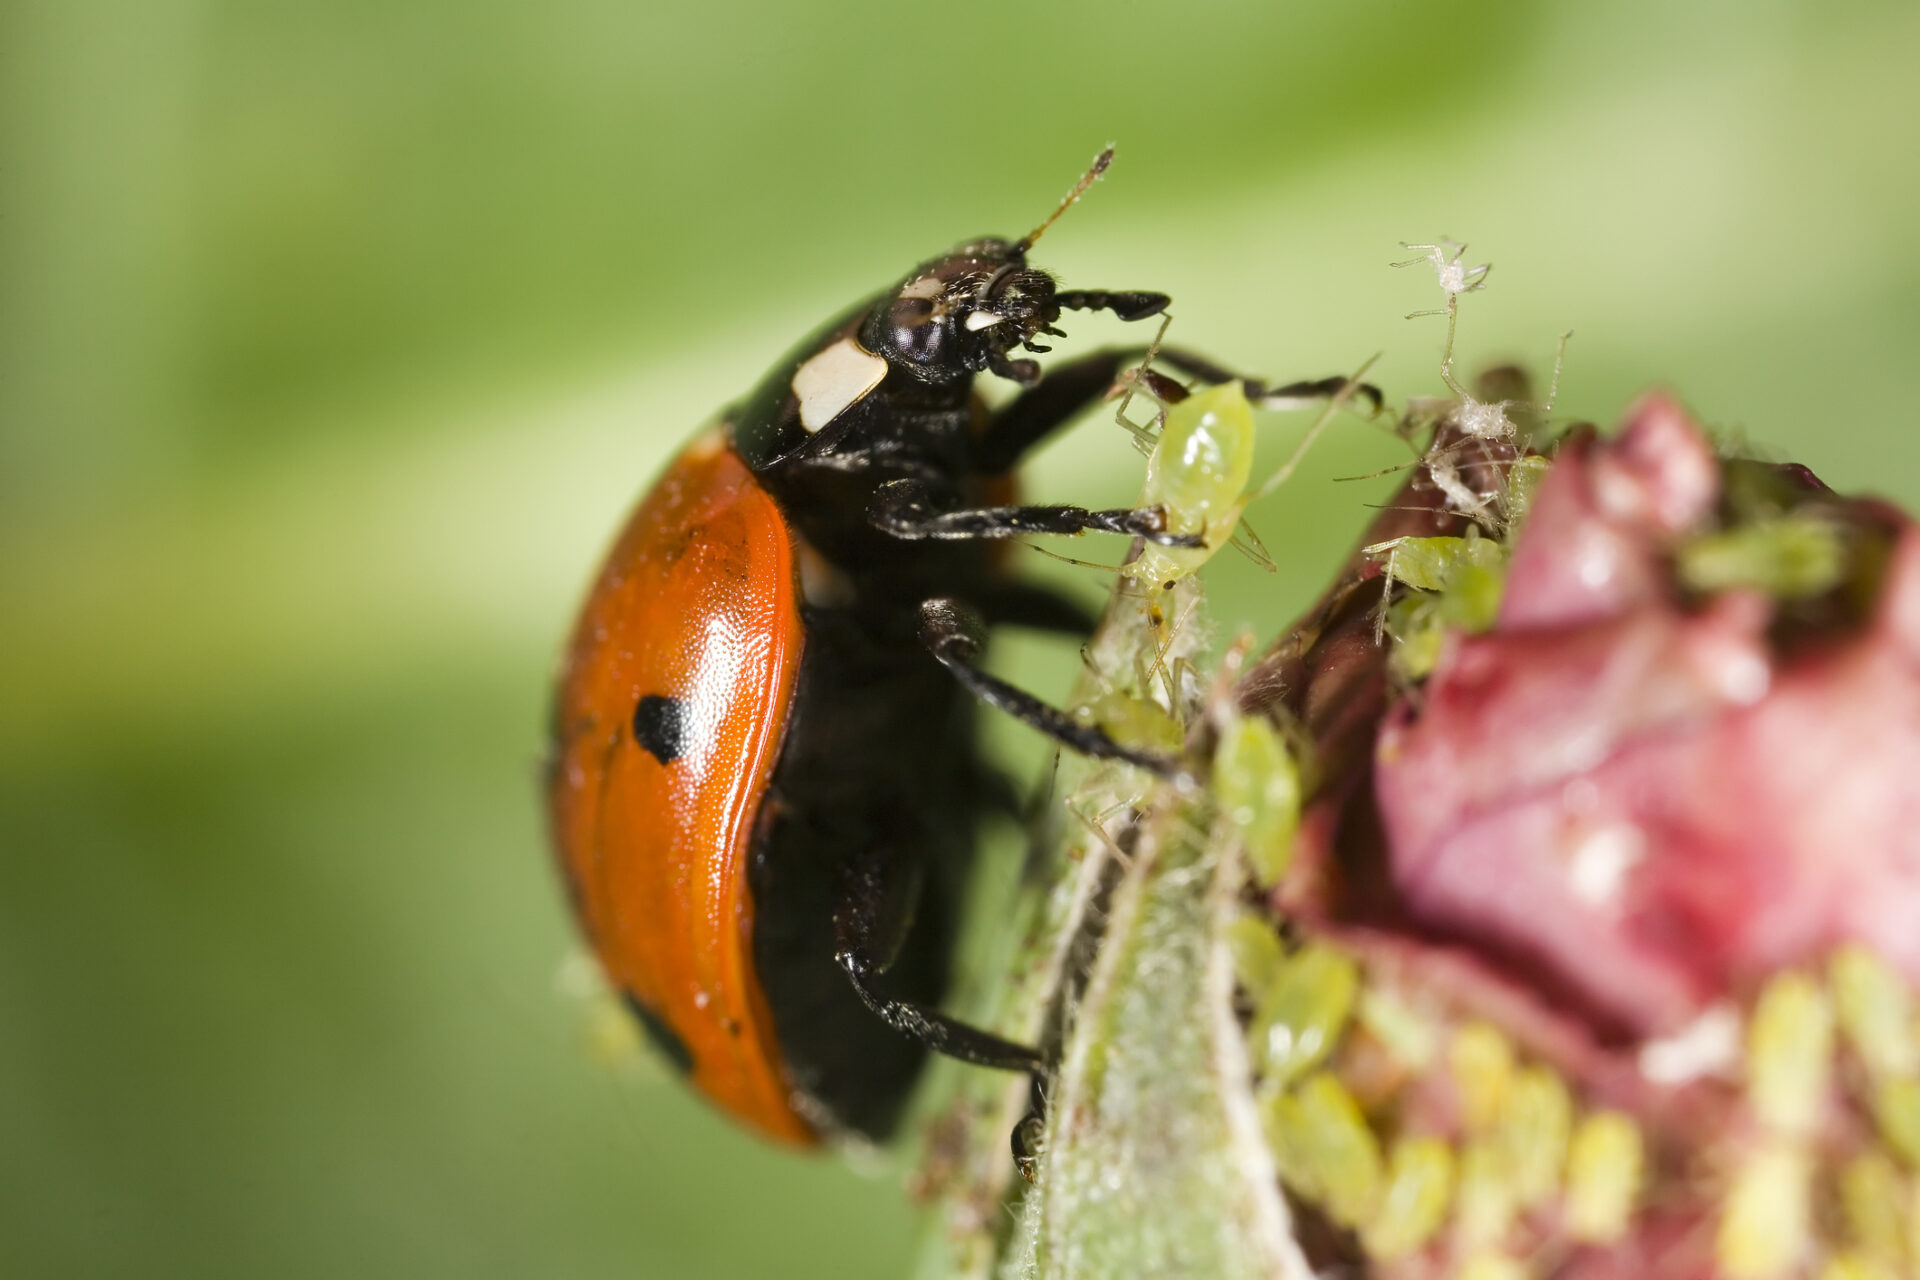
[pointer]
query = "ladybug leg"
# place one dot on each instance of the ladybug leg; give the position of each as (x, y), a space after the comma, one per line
(955, 633)
(1069, 388)
(912, 510)
(876, 898)
(1029, 1136)
(1263, 393)
(1128, 304)
(1034, 414)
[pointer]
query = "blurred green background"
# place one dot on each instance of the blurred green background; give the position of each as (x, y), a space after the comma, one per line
(336, 337)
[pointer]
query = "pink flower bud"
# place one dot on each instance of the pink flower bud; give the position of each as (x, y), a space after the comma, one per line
(1630, 824)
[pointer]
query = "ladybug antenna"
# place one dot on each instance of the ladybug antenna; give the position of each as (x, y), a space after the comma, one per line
(1087, 179)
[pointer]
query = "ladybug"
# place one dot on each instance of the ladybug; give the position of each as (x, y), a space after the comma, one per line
(765, 781)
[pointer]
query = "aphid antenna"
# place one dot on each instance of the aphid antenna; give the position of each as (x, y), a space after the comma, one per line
(1375, 475)
(1087, 179)
(1559, 361)
(1083, 564)
(1398, 506)
(1333, 406)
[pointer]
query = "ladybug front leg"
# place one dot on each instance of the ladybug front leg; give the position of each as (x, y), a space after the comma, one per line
(913, 510)
(876, 903)
(955, 634)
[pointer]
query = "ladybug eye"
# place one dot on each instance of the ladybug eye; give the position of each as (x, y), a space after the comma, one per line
(917, 335)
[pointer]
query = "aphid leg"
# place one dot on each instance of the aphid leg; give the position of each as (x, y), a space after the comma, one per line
(1157, 387)
(911, 510)
(1348, 387)
(1388, 577)
(954, 633)
(876, 900)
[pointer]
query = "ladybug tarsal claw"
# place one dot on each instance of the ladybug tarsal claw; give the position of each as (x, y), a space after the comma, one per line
(1024, 372)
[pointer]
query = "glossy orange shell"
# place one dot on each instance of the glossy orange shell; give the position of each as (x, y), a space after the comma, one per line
(699, 602)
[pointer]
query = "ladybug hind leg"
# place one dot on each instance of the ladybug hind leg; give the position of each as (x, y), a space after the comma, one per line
(877, 895)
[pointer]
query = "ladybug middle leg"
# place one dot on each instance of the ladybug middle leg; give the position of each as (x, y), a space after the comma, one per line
(954, 632)
(915, 511)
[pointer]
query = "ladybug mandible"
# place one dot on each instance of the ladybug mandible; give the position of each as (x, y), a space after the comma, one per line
(765, 780)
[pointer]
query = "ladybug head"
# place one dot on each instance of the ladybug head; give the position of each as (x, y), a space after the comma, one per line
(961, 314)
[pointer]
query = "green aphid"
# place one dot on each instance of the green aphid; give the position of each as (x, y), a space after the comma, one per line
(1606, 1161)
(1431, 564)
(1198, 472)
(1414, 1202)
(1789, 557)
(1790, 1053)
(1874, 1203)
(1457, 587)
(1523, 481)
(1466, 571)
(1418, 634)
(1896, 1112)
(1764, 1221)
(1484, 1203)
(1482, 1062)
(1304, 1013)
(1258, 789)
(1138, 721)
(1532, 1134)
(1324, 1145)
(1442, 565)
(1257, 957)
(1876, 1011)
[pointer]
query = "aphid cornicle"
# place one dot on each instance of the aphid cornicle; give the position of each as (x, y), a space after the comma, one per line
(765, 780)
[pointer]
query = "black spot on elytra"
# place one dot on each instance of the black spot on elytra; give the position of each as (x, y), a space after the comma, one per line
(660, 1035)
(660, 727)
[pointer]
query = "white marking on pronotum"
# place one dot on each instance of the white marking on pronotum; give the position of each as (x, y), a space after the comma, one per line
(839, 376)
(977, 320)
(928, 287)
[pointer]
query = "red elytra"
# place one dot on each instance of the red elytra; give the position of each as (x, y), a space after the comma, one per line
(697, 602)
